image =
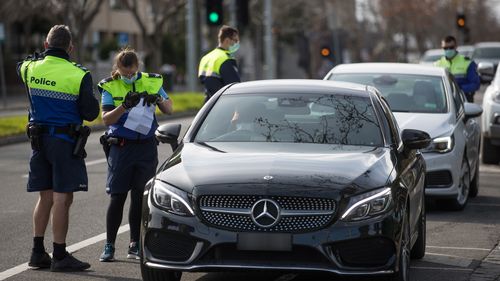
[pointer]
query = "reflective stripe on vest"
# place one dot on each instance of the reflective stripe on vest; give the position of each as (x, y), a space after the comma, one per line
(210, 64)
(147, 82)
(457, 66)
(54, 85)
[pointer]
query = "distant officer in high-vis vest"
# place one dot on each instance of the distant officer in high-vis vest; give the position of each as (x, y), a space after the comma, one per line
(61, 97)
(129, 101)
(218, 68)
(462, 68)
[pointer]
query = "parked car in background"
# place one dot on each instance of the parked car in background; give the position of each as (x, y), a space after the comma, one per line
(487, 52)
(303, 175)
(432, 55)
(427, 98)
(491, 122)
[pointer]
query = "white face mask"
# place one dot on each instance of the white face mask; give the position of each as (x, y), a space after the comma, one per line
(233, 48)
(129, 80)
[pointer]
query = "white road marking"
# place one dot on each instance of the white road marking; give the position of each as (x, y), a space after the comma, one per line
(489, 168)
(459, 248)
(447, 259)
(73, 248)
(485, 204)
(88, 163)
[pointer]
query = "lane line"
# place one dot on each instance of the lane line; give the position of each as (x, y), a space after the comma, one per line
(459, 248)
(73, 248)
(484, 204)
(88, 164)
(447, 259)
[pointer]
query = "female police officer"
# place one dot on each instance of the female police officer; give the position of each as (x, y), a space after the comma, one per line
(133, 157)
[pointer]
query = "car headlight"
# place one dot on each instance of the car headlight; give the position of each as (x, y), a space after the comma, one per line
(367, 205)
(171, 199)
(496, 97)
(441, 145)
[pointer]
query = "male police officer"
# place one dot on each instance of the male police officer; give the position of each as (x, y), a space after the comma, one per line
(61, 95)
(218, 68)
(462, 68)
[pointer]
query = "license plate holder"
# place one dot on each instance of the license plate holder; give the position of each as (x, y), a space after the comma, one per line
(264, 242)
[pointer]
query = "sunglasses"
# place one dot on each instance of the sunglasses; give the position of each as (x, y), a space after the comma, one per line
(449, 48)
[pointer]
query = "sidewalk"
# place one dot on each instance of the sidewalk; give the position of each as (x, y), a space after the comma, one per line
(17, 104)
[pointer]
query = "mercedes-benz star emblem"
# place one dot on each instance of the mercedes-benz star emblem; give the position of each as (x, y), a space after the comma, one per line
(265, 213)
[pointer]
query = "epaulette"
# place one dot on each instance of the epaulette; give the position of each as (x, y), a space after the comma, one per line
(154, 75)
(35, 56)
(105, 80)
(80, 66)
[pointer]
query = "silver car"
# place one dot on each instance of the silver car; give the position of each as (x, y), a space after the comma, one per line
(491, 122)
(428, 99)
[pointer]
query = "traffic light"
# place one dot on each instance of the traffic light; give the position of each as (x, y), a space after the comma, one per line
(461, 21)
(325, 52)
(214, 12)
(242, 12)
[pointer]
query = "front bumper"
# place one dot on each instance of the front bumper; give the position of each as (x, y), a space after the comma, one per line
(442, 174)
(188, 244)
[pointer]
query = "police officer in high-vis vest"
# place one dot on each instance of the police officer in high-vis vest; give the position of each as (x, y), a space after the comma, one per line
(462, 68)
(61, 97)
(129, 100)
(218, 68)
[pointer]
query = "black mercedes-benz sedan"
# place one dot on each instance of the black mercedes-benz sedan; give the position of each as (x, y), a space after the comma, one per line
(293, 175)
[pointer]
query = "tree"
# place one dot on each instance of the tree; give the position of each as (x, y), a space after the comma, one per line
(161, 12)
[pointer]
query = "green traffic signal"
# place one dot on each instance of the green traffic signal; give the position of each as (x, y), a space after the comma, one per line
(213, 17)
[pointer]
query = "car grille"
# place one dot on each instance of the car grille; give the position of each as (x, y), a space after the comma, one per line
(438, 179)
(298, 214)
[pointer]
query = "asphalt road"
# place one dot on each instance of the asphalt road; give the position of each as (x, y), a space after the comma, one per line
(461, 245)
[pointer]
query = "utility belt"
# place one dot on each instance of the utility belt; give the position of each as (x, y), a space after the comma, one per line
(107, 141)
(79, 133)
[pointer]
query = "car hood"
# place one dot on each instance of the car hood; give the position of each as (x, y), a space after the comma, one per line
(493, 61)
(435, 124)
(266, 168)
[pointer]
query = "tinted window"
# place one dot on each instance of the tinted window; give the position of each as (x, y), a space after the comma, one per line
(308, 118)
(487, 53)
(404, 93)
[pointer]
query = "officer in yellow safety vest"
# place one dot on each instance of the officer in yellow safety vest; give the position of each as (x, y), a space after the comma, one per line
(462, 68)
(61, 97)
(218, 68)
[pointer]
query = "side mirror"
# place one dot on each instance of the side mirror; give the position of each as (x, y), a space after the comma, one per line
(486, 71)
(415, 139)
(472, 110)
(169, 133)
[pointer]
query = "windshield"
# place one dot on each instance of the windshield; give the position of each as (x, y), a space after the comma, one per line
(404, 92)
(487, 53)
(296, 118)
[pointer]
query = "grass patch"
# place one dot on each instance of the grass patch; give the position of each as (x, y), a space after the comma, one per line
(185, 101)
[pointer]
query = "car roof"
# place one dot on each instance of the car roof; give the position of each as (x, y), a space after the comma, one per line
(432, 52)
(297, 86)
(400, 68)
(487, 44)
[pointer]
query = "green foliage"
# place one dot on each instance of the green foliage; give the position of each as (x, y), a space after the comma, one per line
(185, 101)
(107, 47)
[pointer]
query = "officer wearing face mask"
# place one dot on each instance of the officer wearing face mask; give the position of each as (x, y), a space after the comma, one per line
(218, 68)
(462, 68)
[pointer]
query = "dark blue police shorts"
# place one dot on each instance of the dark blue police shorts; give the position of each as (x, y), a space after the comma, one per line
(54, 167)
(131, 166)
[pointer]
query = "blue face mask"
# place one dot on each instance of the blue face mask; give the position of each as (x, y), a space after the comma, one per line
(233, 48)
(129, 80)
(450, 53)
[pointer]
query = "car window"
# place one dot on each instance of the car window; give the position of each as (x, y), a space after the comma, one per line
(393, 125)
(486, 53)
(458, 98)
(403, 92)
(297, 118)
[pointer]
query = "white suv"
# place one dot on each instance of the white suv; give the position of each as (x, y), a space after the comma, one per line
(491, 122)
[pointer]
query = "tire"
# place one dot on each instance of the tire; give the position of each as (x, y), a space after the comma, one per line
(403, 271)
(418, 249)
(474, 184)
(490, 153)
(153, 274)
(459, 203)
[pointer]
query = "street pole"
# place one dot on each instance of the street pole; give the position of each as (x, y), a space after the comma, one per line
(268, 39)
(191, 45)
(232, 13)
(2, 77)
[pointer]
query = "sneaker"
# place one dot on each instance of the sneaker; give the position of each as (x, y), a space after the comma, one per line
(108, 254)
(69, 263)
(133, 251)
(40, 260)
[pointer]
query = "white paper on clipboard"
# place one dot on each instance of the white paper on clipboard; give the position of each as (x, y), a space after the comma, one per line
(140, 118)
